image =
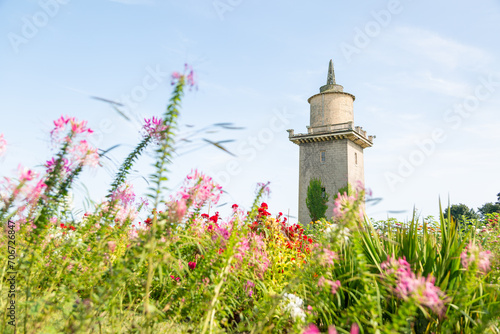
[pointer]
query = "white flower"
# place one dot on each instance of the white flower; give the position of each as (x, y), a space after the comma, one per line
(334, 229)
(68, 202)
(294, 306)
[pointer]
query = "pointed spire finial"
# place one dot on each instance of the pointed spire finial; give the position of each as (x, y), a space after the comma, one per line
(331, 74)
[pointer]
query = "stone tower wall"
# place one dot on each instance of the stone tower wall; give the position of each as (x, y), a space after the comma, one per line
(331, 108)
(356, 169)
(333, 173)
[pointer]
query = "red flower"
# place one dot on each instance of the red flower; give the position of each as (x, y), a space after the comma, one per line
(235, 206)
(264, 206)
(204, 215)
(192, 265)
(215, 217)
(148, 221)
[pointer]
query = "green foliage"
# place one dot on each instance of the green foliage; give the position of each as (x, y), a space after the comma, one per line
(489, 208)
(347, 189)
(316, 200)
(460, 213)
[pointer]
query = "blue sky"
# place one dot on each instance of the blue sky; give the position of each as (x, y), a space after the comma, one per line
(425, 74)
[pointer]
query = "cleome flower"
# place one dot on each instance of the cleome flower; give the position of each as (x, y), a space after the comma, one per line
(416, 287)
(474, 253)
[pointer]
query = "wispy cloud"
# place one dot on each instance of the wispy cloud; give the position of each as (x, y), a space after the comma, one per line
(447, 52)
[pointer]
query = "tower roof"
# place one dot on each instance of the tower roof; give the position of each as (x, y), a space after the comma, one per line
(331, 85)
(330, 80)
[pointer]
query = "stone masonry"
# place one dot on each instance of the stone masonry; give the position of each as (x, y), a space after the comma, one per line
(332, 148)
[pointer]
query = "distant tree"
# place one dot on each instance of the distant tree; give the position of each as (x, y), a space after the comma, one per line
(461, 213)
(498, 200)
(348, 189)
(489, 208)
(316, 199)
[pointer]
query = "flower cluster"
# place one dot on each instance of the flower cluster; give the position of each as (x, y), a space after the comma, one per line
(416, 287)
(323, 282)
(84, 154)
(334, 230)
(264, 187)
(473, 253)
(70, 227)
(188, 76)
(25, 192)
(328, 257)
(155, 128)
(345, 205)
(251, 250)
(71, 122)
(122, 203)
(51, 165)
(198, 190)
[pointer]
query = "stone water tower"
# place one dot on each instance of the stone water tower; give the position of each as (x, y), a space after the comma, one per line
(332, 148)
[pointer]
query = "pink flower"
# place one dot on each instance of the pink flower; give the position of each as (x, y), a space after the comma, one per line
(3, 144)
(192, 265)
(111, 246)
(249, 288)
(334, 286)
(345, 204)
(411, 286)
(155, 128)
(328, 257)
(242, 248)
(474, 253)
(124, 195)
(312, 329)
(321, 281)
(188, 76)
(76, 127)
(198, 190)
(265, 188)
(332, 330)
(181, 208)
(84, 154)
(26, 174)
(123, 200)
(354, 328)
(51, 164)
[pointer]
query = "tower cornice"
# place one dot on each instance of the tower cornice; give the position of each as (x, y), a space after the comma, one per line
(332, 132)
